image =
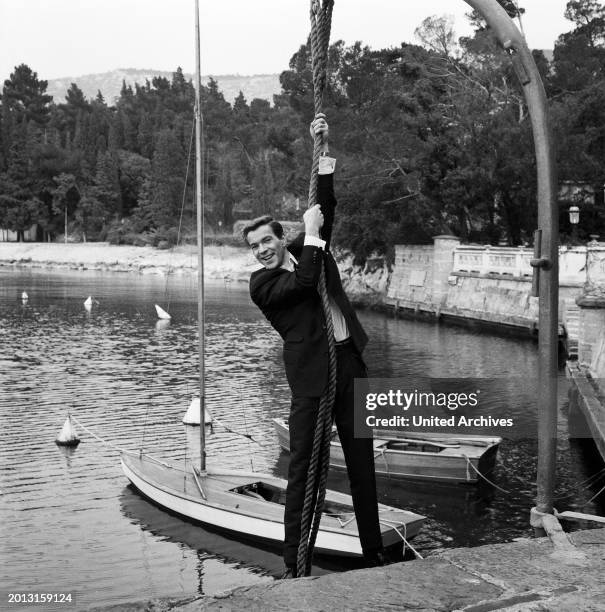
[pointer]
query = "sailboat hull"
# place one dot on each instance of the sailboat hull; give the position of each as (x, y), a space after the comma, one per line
(233, 504)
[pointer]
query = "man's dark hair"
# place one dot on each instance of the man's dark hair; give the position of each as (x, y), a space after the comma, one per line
(276, 226)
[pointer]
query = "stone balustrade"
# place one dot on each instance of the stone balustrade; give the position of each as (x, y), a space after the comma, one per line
(514, 262)
(492, 260)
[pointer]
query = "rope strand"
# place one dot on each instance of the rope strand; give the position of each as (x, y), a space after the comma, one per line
(117, 448)
(317, 476)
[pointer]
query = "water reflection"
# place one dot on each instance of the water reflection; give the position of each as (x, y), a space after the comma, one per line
(68, 452)
(161, 325)
(167, 527)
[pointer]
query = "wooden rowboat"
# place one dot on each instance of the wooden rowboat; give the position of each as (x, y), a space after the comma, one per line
(252, 505)
(421, 455)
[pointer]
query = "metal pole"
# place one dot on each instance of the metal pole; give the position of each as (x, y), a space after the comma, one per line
(548, 262)
(200, 236)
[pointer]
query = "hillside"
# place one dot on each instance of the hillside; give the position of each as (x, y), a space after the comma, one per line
(109, 84)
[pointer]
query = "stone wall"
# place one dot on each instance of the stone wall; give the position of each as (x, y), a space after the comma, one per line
(587, 375)
(482, 283)
(499, 300)
(591, 341)
(411, 282)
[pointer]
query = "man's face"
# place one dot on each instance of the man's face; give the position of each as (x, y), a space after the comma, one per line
(267, 247)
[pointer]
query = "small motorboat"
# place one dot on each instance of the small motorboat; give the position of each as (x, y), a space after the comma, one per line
(422, 455)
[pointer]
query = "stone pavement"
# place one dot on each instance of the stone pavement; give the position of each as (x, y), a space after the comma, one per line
(528, 574)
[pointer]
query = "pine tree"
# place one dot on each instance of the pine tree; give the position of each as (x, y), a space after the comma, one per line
(75, 106)
(115, 136)
(20, 206)
(182, 93)
(142, 214)
(129, 132)
(167, 181)
(145, 135)
(107, 183)
(240, 106)
(264, 185)
(78, 139)
(24, 95)
(126, 93)
(5, 132)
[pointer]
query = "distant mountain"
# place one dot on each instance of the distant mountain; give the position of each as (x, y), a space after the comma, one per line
(110, 83)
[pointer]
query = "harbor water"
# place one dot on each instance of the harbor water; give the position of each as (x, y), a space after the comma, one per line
(70, 522)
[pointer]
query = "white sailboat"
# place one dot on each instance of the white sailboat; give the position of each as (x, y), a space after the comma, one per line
(247, 504)
(162, 314)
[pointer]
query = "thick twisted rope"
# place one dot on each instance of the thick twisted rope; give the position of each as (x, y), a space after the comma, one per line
(315, 490)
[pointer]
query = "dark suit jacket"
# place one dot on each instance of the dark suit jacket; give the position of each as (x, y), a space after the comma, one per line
(291, 303)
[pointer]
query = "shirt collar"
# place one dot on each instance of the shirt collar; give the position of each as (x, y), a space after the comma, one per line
(289, 263)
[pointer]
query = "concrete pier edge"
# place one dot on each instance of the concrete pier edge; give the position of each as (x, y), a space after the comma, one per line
(527, 574)
(589, 401)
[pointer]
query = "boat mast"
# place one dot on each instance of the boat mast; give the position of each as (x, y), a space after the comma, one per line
(200, 235)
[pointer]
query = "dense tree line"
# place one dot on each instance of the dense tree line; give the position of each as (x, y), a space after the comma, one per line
(430, 138)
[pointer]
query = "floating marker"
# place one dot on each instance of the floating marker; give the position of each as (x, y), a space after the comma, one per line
(162, 314)
(24, 296)
(88, 303)
(68, 435)
(192, 416)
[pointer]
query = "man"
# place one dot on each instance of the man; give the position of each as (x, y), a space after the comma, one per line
(285, 289)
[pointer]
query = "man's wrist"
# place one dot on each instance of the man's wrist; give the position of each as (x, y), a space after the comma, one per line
(326, 164)
(314, 241)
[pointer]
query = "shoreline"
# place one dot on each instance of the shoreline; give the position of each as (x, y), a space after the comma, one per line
(220, 262)
(365, 287)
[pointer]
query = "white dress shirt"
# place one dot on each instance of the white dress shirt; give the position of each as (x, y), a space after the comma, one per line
(341, 331)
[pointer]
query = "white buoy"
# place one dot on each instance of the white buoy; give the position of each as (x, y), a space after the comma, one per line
(24, 296)
(68, 436)
(162, 314)
(192, 416)
(88, 303)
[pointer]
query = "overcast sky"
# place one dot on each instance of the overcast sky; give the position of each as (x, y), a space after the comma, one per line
(60, 38)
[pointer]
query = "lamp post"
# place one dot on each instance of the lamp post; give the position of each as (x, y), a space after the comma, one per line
(574, 219)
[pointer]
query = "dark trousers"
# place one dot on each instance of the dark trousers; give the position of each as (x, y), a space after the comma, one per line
(359, 456)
